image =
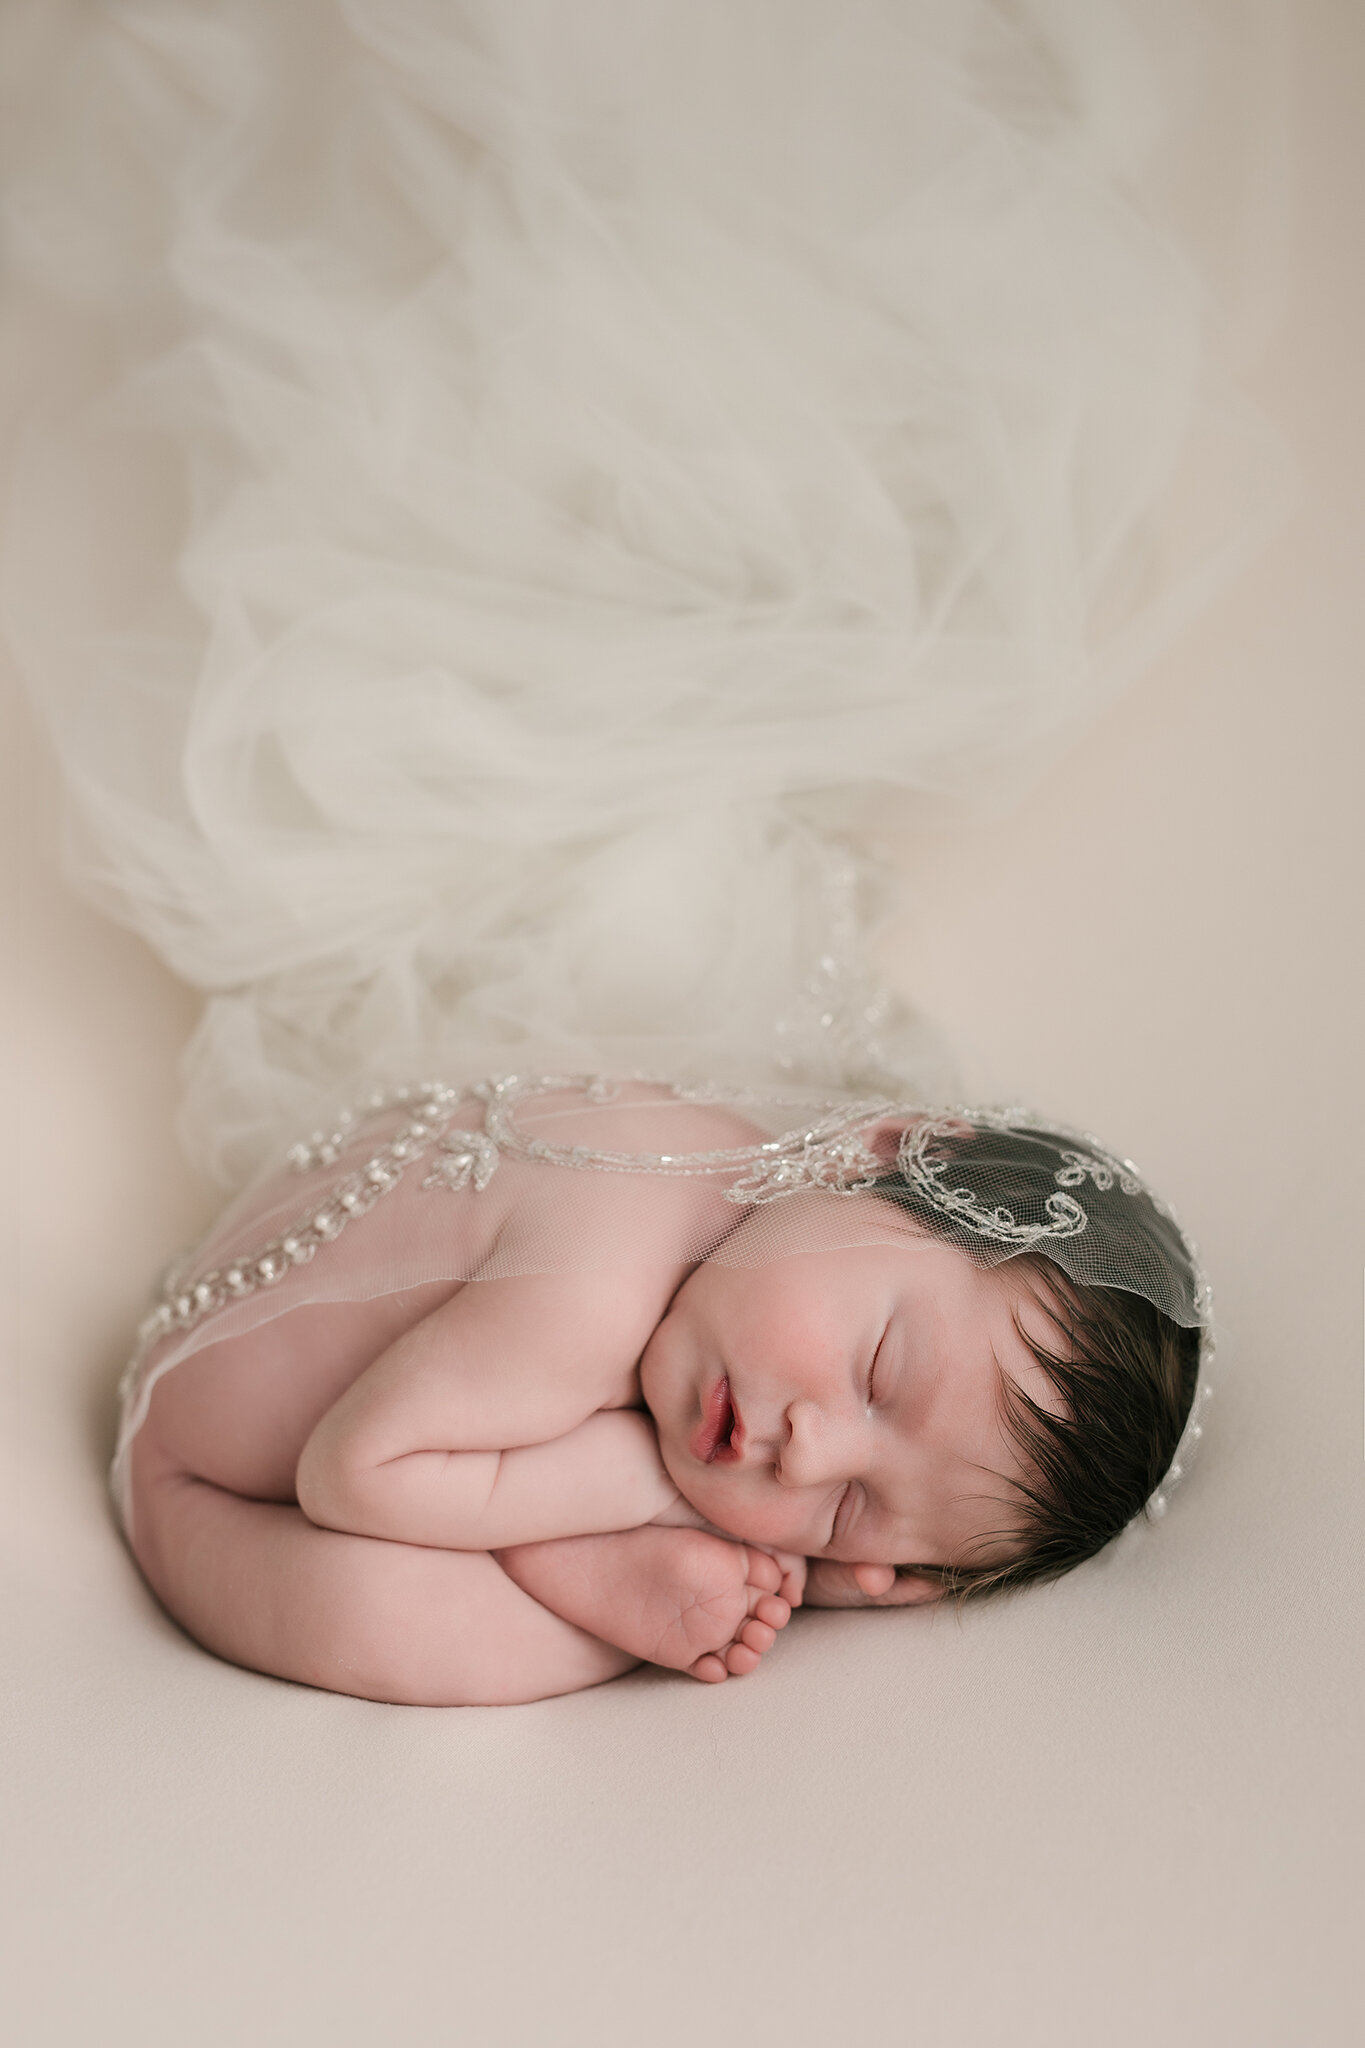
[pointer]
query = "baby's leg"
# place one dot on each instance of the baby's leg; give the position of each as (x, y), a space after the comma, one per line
(257, 1583)
(677, 1597)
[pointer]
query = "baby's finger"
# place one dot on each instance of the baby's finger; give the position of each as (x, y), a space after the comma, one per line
(867, 1585)
(835, 1586)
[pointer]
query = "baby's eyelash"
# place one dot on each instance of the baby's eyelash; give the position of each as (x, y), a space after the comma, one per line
(872, 1373)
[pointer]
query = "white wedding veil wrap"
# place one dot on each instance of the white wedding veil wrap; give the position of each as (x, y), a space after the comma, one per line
(542, 473)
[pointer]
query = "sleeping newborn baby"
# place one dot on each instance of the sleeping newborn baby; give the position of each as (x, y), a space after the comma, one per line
(556, 1406)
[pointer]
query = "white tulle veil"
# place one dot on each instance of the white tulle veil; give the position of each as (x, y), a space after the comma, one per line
(538, 465)
(521, 485)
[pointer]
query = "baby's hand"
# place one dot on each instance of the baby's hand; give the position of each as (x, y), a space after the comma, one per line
(865, 1585)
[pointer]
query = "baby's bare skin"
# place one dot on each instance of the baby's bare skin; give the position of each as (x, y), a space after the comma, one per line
(452, 1495)
(524, 1484)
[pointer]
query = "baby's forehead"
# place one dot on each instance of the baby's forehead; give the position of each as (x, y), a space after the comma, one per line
(996, 1324)
(819, 1220)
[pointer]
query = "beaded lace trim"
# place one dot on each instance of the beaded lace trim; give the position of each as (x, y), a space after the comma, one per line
(826, 1153)
(1066, 1217)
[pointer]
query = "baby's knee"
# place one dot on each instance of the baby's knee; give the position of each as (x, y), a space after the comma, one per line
(257, 1583)
(431, 1628)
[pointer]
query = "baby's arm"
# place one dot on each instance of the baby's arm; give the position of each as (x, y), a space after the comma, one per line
(481, 1427)
(681, 1597)
(479, 1431)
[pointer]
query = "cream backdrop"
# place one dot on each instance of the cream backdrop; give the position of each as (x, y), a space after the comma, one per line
(1124, 1811)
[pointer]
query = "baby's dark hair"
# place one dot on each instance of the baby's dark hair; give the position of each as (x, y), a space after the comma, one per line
(1124, 1371)
(1125, 1374)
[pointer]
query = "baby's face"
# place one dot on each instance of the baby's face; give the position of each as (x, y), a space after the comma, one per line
(847, 1403)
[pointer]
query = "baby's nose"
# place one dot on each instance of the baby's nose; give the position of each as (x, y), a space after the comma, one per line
(820, 1448)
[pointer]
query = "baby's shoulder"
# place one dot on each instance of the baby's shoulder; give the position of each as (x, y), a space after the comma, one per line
(635, 1183)
(621, 1187)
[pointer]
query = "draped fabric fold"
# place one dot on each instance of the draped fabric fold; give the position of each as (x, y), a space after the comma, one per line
(540, 475)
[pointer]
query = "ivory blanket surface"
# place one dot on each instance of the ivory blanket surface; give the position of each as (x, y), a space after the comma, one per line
(1127, 1810)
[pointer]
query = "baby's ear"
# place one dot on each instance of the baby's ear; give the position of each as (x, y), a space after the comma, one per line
(866, 1585)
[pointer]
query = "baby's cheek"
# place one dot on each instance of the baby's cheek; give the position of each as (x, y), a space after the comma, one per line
(756, 1517)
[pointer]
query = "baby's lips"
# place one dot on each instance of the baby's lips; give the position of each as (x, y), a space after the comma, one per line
(710, 1429)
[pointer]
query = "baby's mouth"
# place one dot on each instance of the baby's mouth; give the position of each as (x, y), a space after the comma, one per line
(717, 1439)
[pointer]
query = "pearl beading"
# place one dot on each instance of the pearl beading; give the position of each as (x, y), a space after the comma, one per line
(183, 1306)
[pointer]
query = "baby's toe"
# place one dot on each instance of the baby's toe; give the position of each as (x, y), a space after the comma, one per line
(765, 1572)
(709, 1669)
(740, 1660)
(773, 1610)
(757, 1635)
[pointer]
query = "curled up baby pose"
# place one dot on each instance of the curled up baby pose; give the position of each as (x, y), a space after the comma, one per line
(496, 1394)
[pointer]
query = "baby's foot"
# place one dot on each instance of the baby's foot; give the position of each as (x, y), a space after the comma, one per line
(678, 1597)
(713, 1609)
